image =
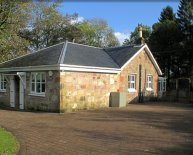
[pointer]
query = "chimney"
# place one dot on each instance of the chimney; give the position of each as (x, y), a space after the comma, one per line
(140, 30)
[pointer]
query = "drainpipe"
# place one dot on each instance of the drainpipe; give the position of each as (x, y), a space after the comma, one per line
(140, 90)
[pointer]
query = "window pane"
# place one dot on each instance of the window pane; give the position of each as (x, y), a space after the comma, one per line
(132, 85)
(150, 85)
(2, 82)
(43, 88)
(129, 78)
(43, 78)
(5, 85)
(38, 77)
(131, 81)
(33, 78)
(38, 87)
(1, 85)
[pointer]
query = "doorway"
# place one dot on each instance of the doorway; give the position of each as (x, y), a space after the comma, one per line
(16, 92)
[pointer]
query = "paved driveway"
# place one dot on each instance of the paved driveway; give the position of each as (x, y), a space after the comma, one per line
(137, 129)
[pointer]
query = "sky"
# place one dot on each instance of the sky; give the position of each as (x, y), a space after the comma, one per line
(121, 16)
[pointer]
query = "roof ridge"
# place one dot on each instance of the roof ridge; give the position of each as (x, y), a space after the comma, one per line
(111, 58)
(125, 46)
(63, 53)
(85, 45)
(49, 47)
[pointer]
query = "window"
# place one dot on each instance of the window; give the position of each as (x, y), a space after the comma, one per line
(2, 83)
(38, 83)
(132, 83)
(162, 84)
(149, 82)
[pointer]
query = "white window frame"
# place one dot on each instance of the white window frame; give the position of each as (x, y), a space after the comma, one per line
(149, 83)
(132, 82)
(3, 83)
(162, 84)
(35, 91)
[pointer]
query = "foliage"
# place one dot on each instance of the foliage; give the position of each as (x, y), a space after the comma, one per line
(30, 25)
(8, 143)
(134, 37)
(166, 44)
(167, 14)
(14, 17)
(185, 22)
(45, 25)
(96, 32)
(165, 35)
(49, 27)
(185, 18)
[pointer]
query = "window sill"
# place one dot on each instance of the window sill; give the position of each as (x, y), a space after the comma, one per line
(132, 90)
(35, 94)
(2, 91)
(149, 89)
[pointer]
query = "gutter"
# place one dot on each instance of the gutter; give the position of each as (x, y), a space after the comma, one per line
(61, 67)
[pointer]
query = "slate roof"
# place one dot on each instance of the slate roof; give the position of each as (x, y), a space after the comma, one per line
(76, 54)
(87, 56)
(47, 56)
(122, 54)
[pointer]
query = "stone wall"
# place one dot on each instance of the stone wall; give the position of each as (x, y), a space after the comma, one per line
(133, 68)
(80, 90)
(68, 91)
(5, 98)
(51, 100)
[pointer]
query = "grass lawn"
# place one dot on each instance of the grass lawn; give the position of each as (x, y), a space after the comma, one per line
(8, 143)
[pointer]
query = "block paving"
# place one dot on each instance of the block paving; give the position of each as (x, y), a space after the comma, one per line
(153, 128)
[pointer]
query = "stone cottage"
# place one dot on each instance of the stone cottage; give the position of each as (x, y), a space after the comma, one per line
(70, 76)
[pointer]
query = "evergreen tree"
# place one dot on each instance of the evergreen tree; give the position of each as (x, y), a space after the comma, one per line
(185, 18)
(164, 43)
(185, 21)
(167, 14)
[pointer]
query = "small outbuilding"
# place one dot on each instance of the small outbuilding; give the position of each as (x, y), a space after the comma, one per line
(71, 76)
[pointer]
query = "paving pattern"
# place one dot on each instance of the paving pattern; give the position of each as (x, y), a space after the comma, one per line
(156, 128)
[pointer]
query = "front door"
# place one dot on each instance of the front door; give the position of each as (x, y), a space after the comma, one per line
(12, 92)
(17, 87)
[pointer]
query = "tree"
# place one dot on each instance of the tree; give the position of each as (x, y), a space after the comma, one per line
(14, 17)
(134, 37)
(31, 25)
(164, 43)
(46, 26)
(96, 32)
(49, 27)
(88, 35)
(185, 21)
(185, 18)
(5, 13)
(167, 14)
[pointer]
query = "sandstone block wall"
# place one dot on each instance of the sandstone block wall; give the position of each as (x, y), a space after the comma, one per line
(85, 90)
(133, 68)
(51, 100)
